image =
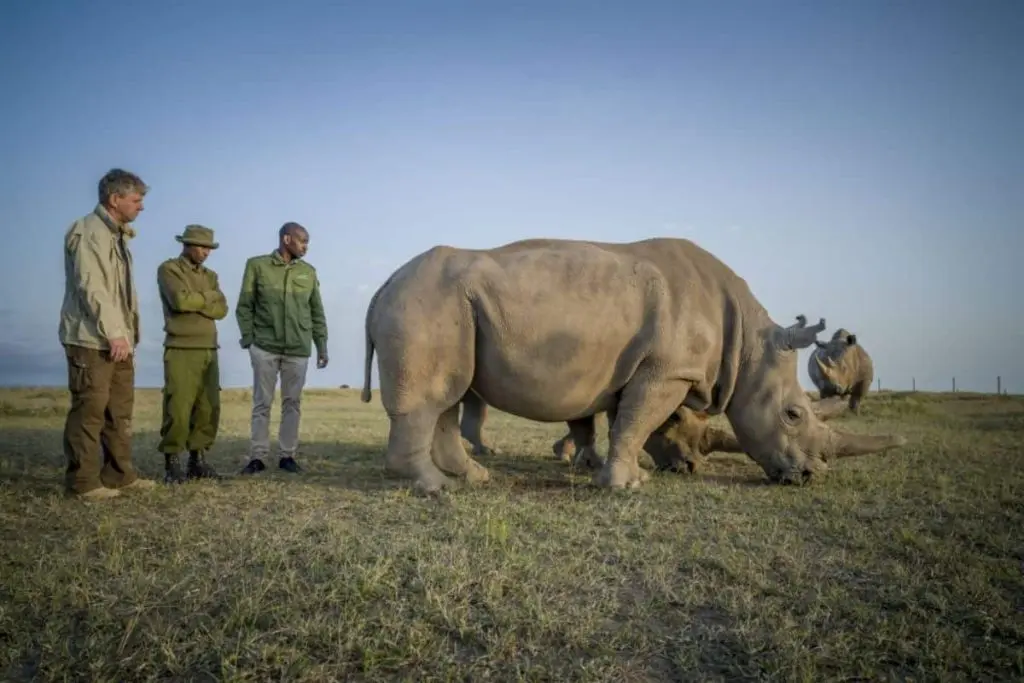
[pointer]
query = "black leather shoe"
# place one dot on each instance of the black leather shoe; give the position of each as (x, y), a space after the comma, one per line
(289, 465)
(253, 466)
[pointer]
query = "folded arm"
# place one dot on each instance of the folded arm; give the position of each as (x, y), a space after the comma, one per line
(175, 291)
(215, 303)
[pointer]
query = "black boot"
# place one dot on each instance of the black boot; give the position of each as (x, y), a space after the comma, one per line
(198, 468)
(172, 469)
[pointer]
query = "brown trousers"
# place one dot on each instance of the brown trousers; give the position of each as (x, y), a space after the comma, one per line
(99, 419)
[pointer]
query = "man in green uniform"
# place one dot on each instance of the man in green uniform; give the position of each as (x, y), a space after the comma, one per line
(192, 303)
(280, 315)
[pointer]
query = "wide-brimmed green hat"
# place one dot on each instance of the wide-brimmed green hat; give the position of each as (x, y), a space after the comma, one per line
(199, 235)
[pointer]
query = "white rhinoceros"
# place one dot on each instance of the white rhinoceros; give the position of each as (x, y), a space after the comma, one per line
(559, 330)
(841, 367)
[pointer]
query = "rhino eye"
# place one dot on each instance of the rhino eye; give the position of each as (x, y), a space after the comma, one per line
(793, 415)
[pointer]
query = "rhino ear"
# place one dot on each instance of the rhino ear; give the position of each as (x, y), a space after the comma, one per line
(797, 336)
(851, 340)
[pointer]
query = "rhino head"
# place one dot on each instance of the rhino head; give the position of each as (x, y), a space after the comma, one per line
(776, 423)
(829, 355)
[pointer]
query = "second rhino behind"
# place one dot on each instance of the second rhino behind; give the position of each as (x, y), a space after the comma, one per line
(680, 444)
(841, 367)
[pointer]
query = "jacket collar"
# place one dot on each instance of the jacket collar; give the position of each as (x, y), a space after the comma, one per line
(115, 227)
(275, 256)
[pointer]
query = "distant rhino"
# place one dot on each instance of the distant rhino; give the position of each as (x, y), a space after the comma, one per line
(560, 330)
(680, 444)
(841, 367)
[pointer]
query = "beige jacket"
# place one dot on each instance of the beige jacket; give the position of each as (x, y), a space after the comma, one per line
(100, 299)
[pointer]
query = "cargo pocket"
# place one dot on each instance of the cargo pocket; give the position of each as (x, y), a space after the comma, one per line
(79, 375)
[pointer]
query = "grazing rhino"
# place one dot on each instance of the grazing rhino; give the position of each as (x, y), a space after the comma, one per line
(667, 445)
(680, 444)
(560, 330)
(841, 367)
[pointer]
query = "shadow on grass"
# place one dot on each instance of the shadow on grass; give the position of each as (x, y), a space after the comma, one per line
(32, 461)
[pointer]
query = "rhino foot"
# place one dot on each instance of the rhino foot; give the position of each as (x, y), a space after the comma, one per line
(477, 473)
(619, 474)
(484, 449)
(589, 458)
(562, 450)
(431, 483)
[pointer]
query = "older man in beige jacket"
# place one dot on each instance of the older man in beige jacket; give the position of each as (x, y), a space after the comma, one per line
(99, 329)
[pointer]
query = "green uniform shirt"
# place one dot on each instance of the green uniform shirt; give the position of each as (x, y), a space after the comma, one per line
(192, 302)
(279, 308)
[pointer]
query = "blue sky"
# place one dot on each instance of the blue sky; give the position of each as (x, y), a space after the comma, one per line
(861, 161)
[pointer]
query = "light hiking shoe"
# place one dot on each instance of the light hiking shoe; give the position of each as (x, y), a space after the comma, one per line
(139, 484)
(101, 493)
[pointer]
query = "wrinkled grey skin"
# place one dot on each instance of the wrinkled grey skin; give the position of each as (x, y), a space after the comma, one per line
(560, 330)
(841, 367)
(680, 444)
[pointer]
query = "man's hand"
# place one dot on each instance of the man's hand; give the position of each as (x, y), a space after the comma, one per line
(120, 350)
(321, 361)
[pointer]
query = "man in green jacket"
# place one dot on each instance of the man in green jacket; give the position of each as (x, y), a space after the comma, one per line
(99, 330)
(192, 303)
(280, 314)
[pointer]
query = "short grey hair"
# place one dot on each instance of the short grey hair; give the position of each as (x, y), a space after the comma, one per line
(120, 182)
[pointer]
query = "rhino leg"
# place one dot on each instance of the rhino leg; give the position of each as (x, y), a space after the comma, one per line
(564, 447)
(857, 395)
(448, 452)
(646, 402)
(474, 414)
(410, 439)
(584, 435)
(669, 454)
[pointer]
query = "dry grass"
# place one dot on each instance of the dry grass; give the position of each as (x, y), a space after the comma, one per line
(896, 567)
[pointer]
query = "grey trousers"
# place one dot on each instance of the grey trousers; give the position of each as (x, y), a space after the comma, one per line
(266, 367)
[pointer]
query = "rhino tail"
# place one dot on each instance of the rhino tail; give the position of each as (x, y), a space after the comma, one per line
(367, 394)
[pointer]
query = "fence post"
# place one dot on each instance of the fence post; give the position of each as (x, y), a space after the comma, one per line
(954, 385)
(999, 385)
(879, 383)
(913, 384)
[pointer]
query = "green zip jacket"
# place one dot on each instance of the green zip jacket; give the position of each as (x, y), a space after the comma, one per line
(192, 302)
(279, 308)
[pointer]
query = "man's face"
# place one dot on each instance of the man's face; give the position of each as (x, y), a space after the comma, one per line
(296, 242)
(126, 207)
(196, 254)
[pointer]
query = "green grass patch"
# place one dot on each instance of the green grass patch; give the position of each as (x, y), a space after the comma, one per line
(902, 566)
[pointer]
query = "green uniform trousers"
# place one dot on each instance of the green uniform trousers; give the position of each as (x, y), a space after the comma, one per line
(191, 413)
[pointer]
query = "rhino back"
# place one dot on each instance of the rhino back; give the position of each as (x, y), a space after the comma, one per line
(690, 317)
(561, 325)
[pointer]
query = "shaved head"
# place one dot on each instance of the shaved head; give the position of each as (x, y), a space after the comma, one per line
(293, 240)
(293, 229)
